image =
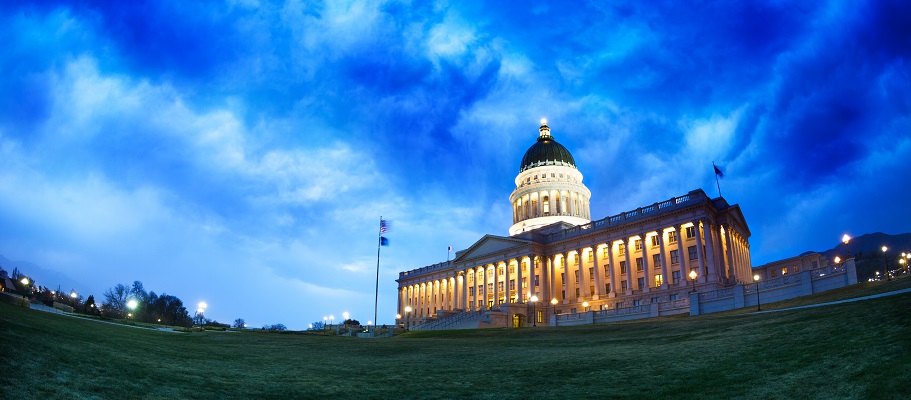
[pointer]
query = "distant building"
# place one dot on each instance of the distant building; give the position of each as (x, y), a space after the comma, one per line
(629, 265)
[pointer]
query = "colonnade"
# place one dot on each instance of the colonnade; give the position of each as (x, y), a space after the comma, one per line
(652, 260)
(549, 203)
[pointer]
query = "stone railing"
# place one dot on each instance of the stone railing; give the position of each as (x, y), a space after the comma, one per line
(430, 268)
(632, 215)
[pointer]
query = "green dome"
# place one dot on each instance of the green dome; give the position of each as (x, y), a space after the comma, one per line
(546, 151)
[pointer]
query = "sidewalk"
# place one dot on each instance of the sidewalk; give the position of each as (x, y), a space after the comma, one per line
(874, 296)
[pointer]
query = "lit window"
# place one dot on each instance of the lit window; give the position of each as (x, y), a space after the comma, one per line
(621, 249)
(591, 256)
(638, 244)
(672, 237)
(784, 270)
(604, 252)
(690, 232)
(795, 268)
(654, 240)
(658, 282)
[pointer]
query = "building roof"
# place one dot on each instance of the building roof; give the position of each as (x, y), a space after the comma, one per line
(546, 151)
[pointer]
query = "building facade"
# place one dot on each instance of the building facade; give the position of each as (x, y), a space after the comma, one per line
(571, 265)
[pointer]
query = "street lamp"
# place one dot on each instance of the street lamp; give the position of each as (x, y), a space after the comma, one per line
(756, 279)
(24, 281)
(331, 320)
(345, 315)
(534, 315)
(845, 239)
(584, 306)
(407, 321)
(837, 259)
(693, 276)
(886, 272)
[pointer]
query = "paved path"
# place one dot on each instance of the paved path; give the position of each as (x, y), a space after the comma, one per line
(874, 296)
(42, 307)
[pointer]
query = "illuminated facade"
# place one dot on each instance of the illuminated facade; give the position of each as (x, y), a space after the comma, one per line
(630, 265)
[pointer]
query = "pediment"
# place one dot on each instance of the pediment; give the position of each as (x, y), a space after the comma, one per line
(490, 244)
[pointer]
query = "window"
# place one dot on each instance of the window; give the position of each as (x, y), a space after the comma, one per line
(794, 268)
(624, 285)
(638, 264)
(654, 240)
(774, 274)
(576, 274)
(656, 299)
(552, 175)
(637, 303)
(638, 244)
(621, 249)
(536, 177)
(604, 252)
(591, 272)
(471, 291)
(675, 257)
(490, 287)
(545, 204)
(607, 288)
(512, 270)
(577, 293)
(658, 280)
(540, 316)
(537, 282)
(676, 277)
(656, 260)
(607, 270)
(690, 232)
(591, 290)
(641, 283)
(512, 284)
(672, 237)
(673, 297)
(784, 270)
(619, 304)
(500, 286)
(622, 267)
(692, 251)
(591, 256)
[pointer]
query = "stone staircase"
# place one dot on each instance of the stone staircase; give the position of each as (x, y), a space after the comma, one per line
(462, 320)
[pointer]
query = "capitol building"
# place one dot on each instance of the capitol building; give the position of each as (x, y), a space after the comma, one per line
(558, 265)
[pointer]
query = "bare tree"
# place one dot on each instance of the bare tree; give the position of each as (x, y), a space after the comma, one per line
(115, 299)
(240, 323)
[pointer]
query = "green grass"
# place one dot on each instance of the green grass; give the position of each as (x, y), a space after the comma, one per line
(855, 350)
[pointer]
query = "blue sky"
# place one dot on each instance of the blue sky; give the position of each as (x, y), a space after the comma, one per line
(242, 152)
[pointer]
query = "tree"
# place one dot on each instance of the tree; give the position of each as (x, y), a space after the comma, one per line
(317, 326)
(90, 307)
(170, 310)
(115, 299)
(240, 323)
(278, 327)
(351, 322)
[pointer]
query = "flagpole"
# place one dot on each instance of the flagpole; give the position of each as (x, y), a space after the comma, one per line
(715, 171)
(376, 295)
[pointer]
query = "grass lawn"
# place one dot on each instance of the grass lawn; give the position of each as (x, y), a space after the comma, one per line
(856, 350)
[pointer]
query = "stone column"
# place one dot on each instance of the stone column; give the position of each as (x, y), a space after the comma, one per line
(630, 268)
(646, 271)
(551, 270)
(614, 269)
(700, 260)
(484, 299)
(730, 253)
(663, 259)
(596, 268)
(520, 296)
(683, 255)
(566, 277)
(496, 286)
(582, 284)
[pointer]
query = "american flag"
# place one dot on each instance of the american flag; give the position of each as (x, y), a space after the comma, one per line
(384, 226)
(450, 249)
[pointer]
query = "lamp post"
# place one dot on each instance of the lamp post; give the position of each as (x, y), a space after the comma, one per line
(907, 261)
(325, 321)
(345, 315)
(845, 239)
(331, 320)
(407, 321)
(837, 259)
(584, 306)
(693, 276)
(534, 315)
(885, 271)
(756, 279)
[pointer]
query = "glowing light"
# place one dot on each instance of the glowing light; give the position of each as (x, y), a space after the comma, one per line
(837, 259)
(756, 277)
(345, 315)
(534, 299)
(73, 295)
(543, 121)
(885, 248)
(24, 281)
(845, 239)
(203, 305)
(398, 316)
(693, 275)
(407, 309)
(553, 301)
(132, 304)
